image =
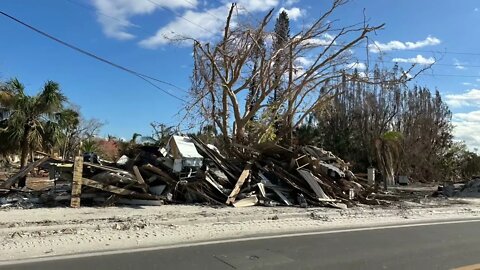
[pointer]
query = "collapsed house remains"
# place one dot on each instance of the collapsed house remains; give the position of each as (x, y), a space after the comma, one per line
(188, 170)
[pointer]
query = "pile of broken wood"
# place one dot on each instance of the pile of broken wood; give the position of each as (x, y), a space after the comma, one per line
(266, 175)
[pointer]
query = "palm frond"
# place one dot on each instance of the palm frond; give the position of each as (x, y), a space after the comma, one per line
(50, 100)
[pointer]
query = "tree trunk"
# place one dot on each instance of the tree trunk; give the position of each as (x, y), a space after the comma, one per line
(24, 155)
(24, 148)
(239, 133)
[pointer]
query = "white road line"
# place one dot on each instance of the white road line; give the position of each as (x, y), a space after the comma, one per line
(224, 241)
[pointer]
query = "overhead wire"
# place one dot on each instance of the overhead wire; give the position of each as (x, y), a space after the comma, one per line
(180, 16)
(147, 77)
(82, 51)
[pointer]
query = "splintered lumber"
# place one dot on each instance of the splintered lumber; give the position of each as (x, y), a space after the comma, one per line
(292, 180)
(23, 173)
(214, 183)
(249, 201)
(261, 188)
(51, 158)
(238, 185)
(314, 185)
(139, 177)
(275, 189)
(218, 159)
(115, 190)
(77, 182)
(163, 175)
(108, 168)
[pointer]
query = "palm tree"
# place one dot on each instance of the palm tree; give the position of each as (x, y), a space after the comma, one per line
(161, 134)
(68, 121)
(33, 120)
(89, 146)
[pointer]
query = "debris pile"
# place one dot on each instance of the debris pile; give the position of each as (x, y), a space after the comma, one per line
(468, 189)
(187, 170)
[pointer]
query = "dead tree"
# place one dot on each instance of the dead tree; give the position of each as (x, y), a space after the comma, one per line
(224, 72)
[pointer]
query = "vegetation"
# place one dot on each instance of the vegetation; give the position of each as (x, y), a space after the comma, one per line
(407, 129)
(254, 86)
(245, 78)
(371, 117)
(35, 122)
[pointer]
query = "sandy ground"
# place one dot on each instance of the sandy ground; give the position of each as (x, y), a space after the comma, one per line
(29, 233)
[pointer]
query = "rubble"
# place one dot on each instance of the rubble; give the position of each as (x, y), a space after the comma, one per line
(187, 170)
(468, 189)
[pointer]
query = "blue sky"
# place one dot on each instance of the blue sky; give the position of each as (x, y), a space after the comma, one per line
(132, 33)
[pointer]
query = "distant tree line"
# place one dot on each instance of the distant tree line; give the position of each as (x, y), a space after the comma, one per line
(398, 128)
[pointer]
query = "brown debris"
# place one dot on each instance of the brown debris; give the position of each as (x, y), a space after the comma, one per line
(267, 174)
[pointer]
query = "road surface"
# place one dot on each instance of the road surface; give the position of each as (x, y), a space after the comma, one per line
(437, 246)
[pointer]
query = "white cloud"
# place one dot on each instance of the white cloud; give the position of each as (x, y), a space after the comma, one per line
(119, 12)
(467, 128)
(294, 13)
(473, 116)
(458, 64)
(377, 47)
(467, 83)
(419, 59)
(198, 25)
(303, 61)
(257, 5)
(291, 2)
(202, 25)
(357, 65)
(475, 9)
(325, 40)
(362, 74)
(469, 98)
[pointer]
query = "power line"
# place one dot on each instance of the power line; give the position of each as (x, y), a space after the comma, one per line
(442, 52)
(434, 64)
(140, 75)
(432, 74)
(181, 17)
(206, 11)
(450, 75)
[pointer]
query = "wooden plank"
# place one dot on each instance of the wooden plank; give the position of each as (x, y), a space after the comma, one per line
(139, 177)
(47, 155)
(249, 201)
(261, 188)
(77, 182)
(164, 176)
(116, 190)
(152, 178)
(221, 163)
(214, 183)
(276, 190)
(23, 173)
(315, 186)
(238, 185)
(108, 168)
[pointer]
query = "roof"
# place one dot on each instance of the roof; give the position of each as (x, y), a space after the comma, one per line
(186, 147)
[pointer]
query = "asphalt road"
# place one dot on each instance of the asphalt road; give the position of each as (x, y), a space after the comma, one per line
(443, 246)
